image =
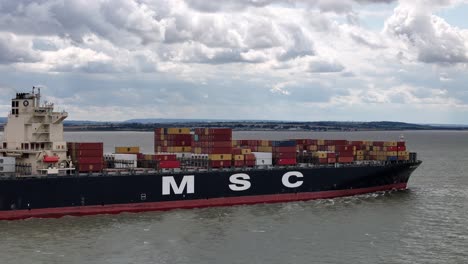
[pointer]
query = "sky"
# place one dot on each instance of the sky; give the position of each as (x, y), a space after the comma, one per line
(305, 60)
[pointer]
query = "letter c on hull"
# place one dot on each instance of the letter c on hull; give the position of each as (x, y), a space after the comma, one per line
(288, 183)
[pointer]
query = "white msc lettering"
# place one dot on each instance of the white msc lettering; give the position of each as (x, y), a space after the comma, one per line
(168, 183)
(288, 183)
(239, 182)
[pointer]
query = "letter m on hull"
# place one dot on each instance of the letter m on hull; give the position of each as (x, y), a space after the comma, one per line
(169, 183)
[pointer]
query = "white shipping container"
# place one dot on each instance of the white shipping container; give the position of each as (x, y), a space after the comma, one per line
(263, 155)
(125, 156)
(183, 155)
(7, 168)
(7, 160)
(263, 162)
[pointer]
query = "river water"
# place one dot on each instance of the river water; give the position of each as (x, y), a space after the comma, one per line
(426, 224)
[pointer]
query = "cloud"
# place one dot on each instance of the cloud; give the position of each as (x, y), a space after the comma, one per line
(324, 66)
(232, 59)
(431, 37)
(16, 50)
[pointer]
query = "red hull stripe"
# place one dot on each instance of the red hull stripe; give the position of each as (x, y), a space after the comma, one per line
(156, 206)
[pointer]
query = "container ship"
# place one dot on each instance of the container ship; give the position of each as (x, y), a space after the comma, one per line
(41, 175)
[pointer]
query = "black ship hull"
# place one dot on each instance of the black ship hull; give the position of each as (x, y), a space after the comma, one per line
(106, 194)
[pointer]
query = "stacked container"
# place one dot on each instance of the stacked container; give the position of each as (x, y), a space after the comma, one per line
(284, 152)
(217, 143)
(87, 156)
(176, 139)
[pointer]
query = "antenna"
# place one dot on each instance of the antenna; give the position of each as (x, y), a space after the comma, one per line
(39, 97)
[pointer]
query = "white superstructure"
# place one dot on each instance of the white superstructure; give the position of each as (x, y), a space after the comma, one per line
(33, 135)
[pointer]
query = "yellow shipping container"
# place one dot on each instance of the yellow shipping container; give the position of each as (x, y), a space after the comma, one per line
(264, 143)
(376, 148)
(321, 155)
(220, 156)
(360, 152)
(238, 157)
(197, 150)
(178, 130)
(359, 157)
(331, 148)
(179, 149)
(246, 151)
(403, 153)
(381, 157)
(320, 142)
(265, 149)
(127, 150)
(390, 143)
(235, 143)
(391, 153)
(312, 147)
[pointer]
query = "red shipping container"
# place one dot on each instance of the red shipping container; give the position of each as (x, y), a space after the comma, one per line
(346, 154)
(221, 137)
(169, 164)
(331, 155)
(249, 163)
(286, 161)
(86, 145)
(239, 163)
(401, 148)
(401, 143)
(342, 148)
(90, 153)
(165, 157)
(249, 157)
(332, 142)
(391, 148)
(220, 131)
(345, 159)
(236, 151)
(90, 167)
(284, 149)
(90, 160)
(378, 143)
(216, 150)
(220, 163)
(323, 160)
(286, 155)
(331, 160)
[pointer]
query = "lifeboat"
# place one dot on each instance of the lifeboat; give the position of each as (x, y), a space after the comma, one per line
(50, 159)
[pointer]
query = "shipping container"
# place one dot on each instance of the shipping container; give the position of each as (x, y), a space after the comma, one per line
(345, 159)
(238, 157)
(220, 156)
(169, 164)
(238, 163)
(250, 156)
(263, 161)
(87, 167)
(127, 150)
(220, 163)
(286, 162)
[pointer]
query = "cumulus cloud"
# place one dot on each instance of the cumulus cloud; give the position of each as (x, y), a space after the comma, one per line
(431, 37)
(14, 49)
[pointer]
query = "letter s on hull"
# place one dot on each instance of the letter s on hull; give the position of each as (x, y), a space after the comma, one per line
(288, 183)
(168, 183)
(239, 182)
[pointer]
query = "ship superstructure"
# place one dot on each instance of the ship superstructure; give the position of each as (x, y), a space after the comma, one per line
(34, 136)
